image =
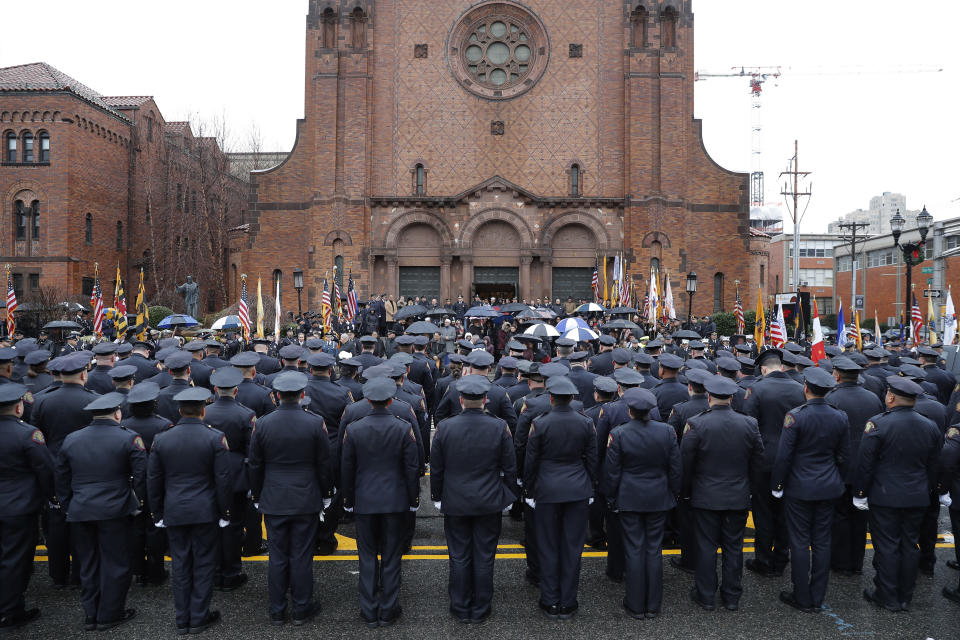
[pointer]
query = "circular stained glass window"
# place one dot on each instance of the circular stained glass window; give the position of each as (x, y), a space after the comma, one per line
(498, 50)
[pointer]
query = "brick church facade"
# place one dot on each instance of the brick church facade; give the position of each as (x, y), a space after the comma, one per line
(498, 147)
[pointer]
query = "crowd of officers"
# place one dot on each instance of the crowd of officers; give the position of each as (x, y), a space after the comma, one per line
(123, 453)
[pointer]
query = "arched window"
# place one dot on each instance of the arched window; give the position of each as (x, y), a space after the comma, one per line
(35, 231)
(575, 180)
(654, 267)
(717, 292)
(20, 215)
(420, 180)
(28, 147)
(44, 146)
(11, 147)
(119, 236)
(638, 24)
(88, 229)
(278, 285)
(668, 28)
(358, 27)
(329, 29)
(338, 261)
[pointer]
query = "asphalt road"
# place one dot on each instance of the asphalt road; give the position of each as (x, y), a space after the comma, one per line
(425, 614)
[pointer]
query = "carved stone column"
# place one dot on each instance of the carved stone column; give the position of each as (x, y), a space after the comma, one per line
(445, 277)
(393, 286)
(524, 288)
(547, 277)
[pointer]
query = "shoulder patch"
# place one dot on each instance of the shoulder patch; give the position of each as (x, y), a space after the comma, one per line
(223, 441)
(28, 397)
(953, 432)
(38, 436)
(789, 421)
(748, 393)
(523, 407)
(138, 443)
(869, 427)
(600, 415)
(412, 437)
(686, 428)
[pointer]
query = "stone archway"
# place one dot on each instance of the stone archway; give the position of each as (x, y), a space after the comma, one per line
(418, 217)
(581, 219)
(520, 226)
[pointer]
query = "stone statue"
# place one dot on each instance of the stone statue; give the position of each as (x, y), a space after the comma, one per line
(191, 295)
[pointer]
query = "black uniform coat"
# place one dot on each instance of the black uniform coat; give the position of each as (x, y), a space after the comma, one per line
(768, 400)
(642, 469)
(814, 452)
(378, 464)
(26, 469)
(236, 422)
(61, 412)
(561, 458)
(859, 405)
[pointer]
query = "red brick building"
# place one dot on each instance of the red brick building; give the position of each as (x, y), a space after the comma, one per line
(816, 268)
(498, 148)
(86, 178)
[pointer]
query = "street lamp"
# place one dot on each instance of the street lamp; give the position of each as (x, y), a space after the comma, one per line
(298, 285)
(913, 252)
(691, 289)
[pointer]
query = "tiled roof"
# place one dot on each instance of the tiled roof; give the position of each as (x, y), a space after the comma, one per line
(758, 234)
(40, 76)
(176, 127)
(126, 102)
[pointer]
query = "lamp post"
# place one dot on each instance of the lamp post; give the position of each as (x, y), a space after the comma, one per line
(691, 289)
(913, 253)
(298, 285)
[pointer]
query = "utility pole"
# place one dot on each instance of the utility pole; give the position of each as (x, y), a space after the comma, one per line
(792, 192)
(853, 226)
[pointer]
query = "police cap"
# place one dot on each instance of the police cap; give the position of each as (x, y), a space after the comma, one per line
(670, 361)
(143, 392)
(832, 350)
(213, 344)
(163, 353)
(473, 386)
(479, 358)
(321, 360)
(793, 347)
(195, 345)
(553, 370)
(818, 378)
(313, 344)
(291, 352)
(874, 354)
(643, 358)
(626, 376)
(509, 362)
(696, 345)
(403, 358)
(455, 358)
(75, 362)
(382, 370)
(565, 342)
(513, 345)
(803, 361)
(928, 352)
(696, 365)
(8, 354)
(193, 394)
(605, 384)
(577, 356)
(421, 341)
(698, 376)
(105, 349)
(37, 357)
(720, 387)
(789, 358)
(640, 399)
(123, 372)
(124, 348)
(913, 372)
(397, 368)
(379, 389)
(768, 356)
(903, 386)
(245, 359)
(178, 360)
(54, 365)
(653, 345)
(351, 362)
(728, 364)
(561, 386)
(742, 348)
(622, 356)
(368, 340)
(405, 340)
(909, 360)
(290, 382)
(106, 403)
(607, 340)
(842, 363)
(226, 377)
(11, 393)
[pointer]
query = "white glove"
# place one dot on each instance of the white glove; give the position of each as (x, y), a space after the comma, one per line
(519, 482)
(861, 503)
(507, 509)
(946, 500)
(223, 523)
(414, 509)
(590, 501)
(256, 505)
(160, 524)
(531, 502)
(437, 504)
(249, 493)
(326, 503)
(348, 509)
(777, 494)
(53, 505)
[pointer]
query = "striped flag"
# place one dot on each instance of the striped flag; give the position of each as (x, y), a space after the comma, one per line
(276, 314)
(595, 281)
(120, 304)
(11, 305)
(96, 302)
(325, 309)
(143, 314)
(778, 329)
(817, 350)
(243, 311)
(259, 333)
(759, 325)
(858, 337)
(336, 294)
(916, 321)
(352, 299)
(841, 326)
(738, 313)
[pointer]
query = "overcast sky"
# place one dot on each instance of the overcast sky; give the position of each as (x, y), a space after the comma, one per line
(862, 128)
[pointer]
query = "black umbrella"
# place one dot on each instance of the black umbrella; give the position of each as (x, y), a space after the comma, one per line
(546, 313)
(483, 311)
(438, 311)
(526, 337)
(514, 307)
(409, 311)
(529, 314)
(621, 310)
(620, 323)
(61, 324)
(423, 328)
(686, 334)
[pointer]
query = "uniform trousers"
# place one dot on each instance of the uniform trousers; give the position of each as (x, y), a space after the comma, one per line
(615, 557)
(59, 547)
(292, 540)
(687, 534)
(147, 544)
(193, 549)
(252, 529)
(894, 533)
(18, 539)
(472, 543)
(928, 533)
(530, 540)
(230, 553)
(561, 532)
(598, 509)
(642, 542)
(955, 528)
(809, 527)
(723, 529)
(379, 583)
(849, 538)
(103, 553)
(771, 528)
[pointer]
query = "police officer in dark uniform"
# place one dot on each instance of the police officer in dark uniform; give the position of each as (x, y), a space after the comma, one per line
(380, 483)
(178, 364)
(147, 542)
(813, 454)
(849, 536)
(518, 391)
(140, 358)
(944, 380)
(722, 451)
(643, 362)
(642, 479)
(669, 391)
(199, 370)
(366, 356)
(559, 481)
(37, 377)
(473, 477)
(454, 371)
(213, 359)
(290, 478)
(730, 368)
(896, 470)
(60, 413)
(189, 483)
(768, 400)
(122, 377)
(508, 373)
(581, 378)
(98, 380)
(950, 466)
(349, 368)
(266, 364)
(498, 403)
(101, 482)
(290, 357)
(249, 393)
(236, 422)
(27, 485)
(605, 391)
(53, 368)
(602, 363)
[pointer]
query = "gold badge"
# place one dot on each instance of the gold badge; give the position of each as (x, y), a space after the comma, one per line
(609, 440)
(223, 441)
(789, 421)
(748, 393)
(952, 432)
(870, 427)
(38, 436)
(686, 428)
(138, 443)
(28, 397)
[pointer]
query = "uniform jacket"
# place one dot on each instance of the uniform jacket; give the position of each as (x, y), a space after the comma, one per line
(602, 364)
(61, 412)
(682, 412)
(814, 452)
(379, 465)
(26, 468)
(670, 392)
(236, 422)
(99, 380)
(642, 470)
(859, 405)
(146, 368)
(768, 400)
(561, 457)
(166, 405)
(498, 405)
(256, 397)
(583, 380)
(147, 428)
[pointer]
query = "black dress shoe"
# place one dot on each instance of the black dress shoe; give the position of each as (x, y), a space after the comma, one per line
(89, 624)
(233, 583)
(18, 620)
(677, 563)
(327, 548)
(371, 623)
(871, 596)
(731, 606)
(391, 618)
(696, 598)
(568, 612)
(212, 618)
(953, 564)
(182, 631)
(551, 611)
(127, 616)
(482, 618)
(650, 615)
(278, 619)
(302, 617)
(762, 569)
(636, 615)
(951, 594)
(617, 579)
(787, 597)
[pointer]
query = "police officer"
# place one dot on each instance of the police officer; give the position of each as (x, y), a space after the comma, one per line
(559, 480)
(199, 370)
(213, 359)
(454, 371)
(290, 479)
(814, 453)
(290, 357)
(101, 482)
(178, 364)
(642, 479)
(896, 468)
(140, 358)
(189, 483)
(249, 393)
(582, 378)
(508, 373)
(950, 465)
(605, 391)
(721, 451)
(498, 403)
(602, 363)
(266, 364)
(98, 380)
(27, 485)
(849, 537)
(236, 422)
(60, 413)
(669, 391)
(122, 377)
(349, 368)
(380, 482)
(768, 400)
(37, 377)
(473, 477)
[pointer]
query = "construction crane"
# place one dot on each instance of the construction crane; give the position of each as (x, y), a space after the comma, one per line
(758, 76)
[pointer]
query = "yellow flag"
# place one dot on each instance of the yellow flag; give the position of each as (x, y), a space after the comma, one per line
(143, 314)
(606, 290)
(931, 323)
(259, 309)
(856, 325)
(761, 322)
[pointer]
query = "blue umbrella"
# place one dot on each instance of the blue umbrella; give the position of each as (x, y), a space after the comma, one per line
(581, 334)
(571, 323)
(177, 320)
(590, 307)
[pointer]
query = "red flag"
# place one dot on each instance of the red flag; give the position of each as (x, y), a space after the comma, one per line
(817, 351)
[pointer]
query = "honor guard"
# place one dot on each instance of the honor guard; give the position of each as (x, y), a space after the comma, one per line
(101, 482)
(189, 482)
(642, 478)
(27, 485)
(290, 479)
(813, 454)
(380, 483)
(473, 477)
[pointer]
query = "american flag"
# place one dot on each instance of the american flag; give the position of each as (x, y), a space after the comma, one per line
(336, 294)
(778, 332)
(243, 311)
(352, 299)
(738, 313)
(11, 305)
(624, 288)
(120, 304)
(595, 282)
(916, 320)
(325, 304)
(96, 302)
